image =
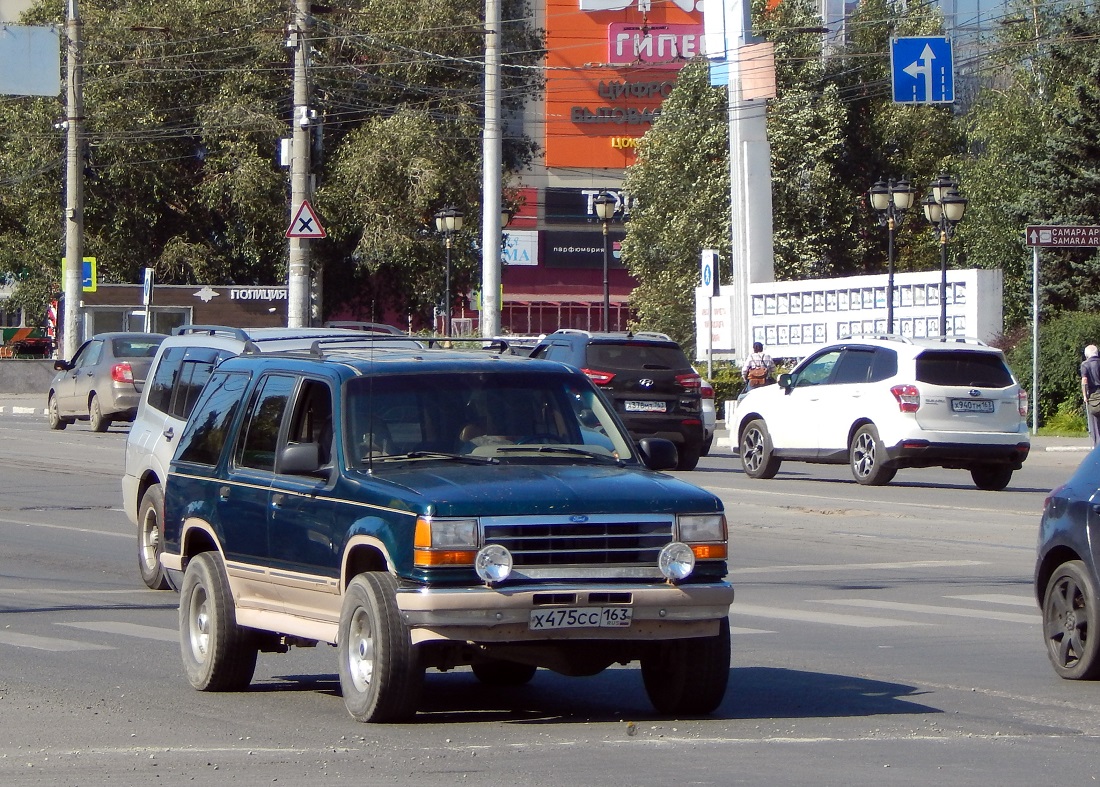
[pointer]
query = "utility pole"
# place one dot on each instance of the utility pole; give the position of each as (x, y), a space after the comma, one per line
(491, 155)
(298, 273)
(71, 333)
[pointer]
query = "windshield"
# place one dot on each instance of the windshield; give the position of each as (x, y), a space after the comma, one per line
(509, 416)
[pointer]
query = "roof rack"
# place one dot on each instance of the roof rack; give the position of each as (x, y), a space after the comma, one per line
(954, 340)
(888, 337)
(406, 341)
(211, 330)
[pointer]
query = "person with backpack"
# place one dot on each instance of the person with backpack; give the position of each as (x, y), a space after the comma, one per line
(759, 368)
(1090, 390)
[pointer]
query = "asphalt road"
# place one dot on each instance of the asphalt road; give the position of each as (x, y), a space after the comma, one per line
(880, 635)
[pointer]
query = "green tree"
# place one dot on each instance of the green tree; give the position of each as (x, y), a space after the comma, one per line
(185, 104)
(682, 181)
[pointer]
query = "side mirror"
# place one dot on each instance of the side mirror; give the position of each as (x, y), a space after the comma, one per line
(300, 459)
(785, 381)
(658, 453)
(62, 366)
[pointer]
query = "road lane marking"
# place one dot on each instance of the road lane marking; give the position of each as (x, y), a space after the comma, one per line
(810, 616)
(70, 528)
(1000, 598)
(739, 630)
(862, 566)
(128, 629)
(931, 609)
(52, 644)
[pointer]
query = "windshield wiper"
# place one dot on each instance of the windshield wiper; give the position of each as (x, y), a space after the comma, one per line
(568, 450)
(477, 460)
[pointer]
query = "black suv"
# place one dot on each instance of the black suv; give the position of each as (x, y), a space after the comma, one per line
(647, 377)
(425, 507)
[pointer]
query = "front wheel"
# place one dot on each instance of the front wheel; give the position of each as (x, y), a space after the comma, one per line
(96, 419)
(149, 539)
(218, 655)
(56, 421)
(757, 459)
(992, 478)
(1069, 619)
(688, 677)
(380, 671)
(866, 456)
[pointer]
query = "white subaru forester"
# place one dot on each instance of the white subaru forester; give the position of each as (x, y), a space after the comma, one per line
(881, 404)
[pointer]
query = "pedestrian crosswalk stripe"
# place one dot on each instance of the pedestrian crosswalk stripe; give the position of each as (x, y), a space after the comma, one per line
(128, 630)
(811, 616)
(931, 609)
(53, 644)
(738, 630)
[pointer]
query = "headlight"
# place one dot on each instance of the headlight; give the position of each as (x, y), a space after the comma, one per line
(445, 542)
(676, 561)
(705, 534)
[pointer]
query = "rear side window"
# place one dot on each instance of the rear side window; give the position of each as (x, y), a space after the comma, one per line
(180, 376)
(636, 355)
(260, 436)
(854, 366)
(959, 367)
(205, 434)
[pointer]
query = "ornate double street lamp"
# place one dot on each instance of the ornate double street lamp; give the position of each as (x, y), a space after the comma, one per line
(605, 206)
(448, 221)
(891, 200)
(944, 208)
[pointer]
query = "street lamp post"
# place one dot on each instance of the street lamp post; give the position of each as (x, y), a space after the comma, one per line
(448, 221)
(605, 205)
(891, 200)
(944, 208)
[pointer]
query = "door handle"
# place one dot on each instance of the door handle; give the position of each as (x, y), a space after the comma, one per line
(223, 493)
(277, 499)
(168, 434)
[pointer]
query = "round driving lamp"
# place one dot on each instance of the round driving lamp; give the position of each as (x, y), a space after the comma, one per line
(676, 561)
(493, 563)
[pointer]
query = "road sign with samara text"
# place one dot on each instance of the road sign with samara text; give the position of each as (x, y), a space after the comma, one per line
(1062, 235)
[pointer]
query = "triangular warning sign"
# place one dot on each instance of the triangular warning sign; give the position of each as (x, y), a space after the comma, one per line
(305, 223)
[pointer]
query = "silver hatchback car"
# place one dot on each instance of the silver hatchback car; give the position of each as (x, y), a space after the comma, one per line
(103, 381)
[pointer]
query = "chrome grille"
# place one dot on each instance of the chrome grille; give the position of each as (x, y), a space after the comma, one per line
(599, 540)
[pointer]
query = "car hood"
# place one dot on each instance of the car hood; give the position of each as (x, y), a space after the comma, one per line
(454, 489)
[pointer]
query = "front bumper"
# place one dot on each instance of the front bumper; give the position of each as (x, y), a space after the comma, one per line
(485, 614)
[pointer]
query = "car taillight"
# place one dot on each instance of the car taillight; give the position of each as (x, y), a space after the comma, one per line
(1023, 403)
(706, 391)
(122, 373)
(689, 380)
(908, 397)
(599, 378)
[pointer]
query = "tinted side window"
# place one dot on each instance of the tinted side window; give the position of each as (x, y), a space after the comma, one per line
(205, 434)
(854, 366)
(164, 378)
(884, 366)
(959, 367)
(195, 369)
(560, 352)
(260, 435)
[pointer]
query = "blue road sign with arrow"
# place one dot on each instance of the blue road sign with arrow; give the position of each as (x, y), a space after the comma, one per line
(922, 70)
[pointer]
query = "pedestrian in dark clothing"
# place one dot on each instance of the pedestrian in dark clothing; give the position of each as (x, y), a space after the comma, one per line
(1090, 384)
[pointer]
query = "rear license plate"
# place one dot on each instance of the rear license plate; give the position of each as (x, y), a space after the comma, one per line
(644, 407)
(580, 618)
(972, 405)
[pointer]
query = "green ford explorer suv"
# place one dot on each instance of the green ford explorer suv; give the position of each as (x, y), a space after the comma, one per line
(433, 508)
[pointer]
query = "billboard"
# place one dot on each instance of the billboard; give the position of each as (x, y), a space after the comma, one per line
(610, 65)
